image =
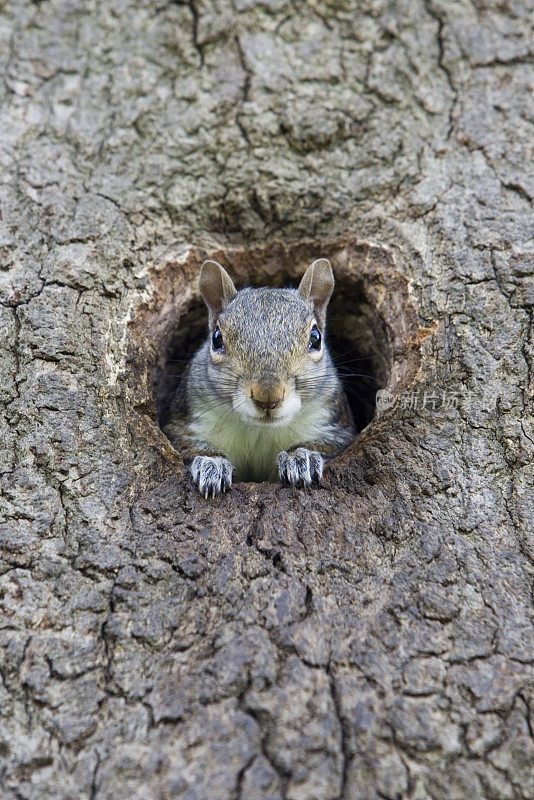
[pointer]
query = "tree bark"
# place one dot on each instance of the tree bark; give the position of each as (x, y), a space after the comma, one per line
(371, 638)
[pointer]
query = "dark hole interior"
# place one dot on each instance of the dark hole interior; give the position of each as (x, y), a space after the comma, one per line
(356, 337)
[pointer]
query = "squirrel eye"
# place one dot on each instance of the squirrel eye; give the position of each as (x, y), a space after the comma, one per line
(217, 340)
(315, 338)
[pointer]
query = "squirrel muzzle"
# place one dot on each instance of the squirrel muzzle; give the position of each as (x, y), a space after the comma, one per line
(267, 396)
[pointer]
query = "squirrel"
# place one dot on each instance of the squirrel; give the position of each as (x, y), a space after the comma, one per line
(261, 397)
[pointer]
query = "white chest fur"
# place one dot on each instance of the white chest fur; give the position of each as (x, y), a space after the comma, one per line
(252, 448)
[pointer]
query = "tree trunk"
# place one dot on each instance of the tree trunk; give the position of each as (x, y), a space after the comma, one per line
(368, 639)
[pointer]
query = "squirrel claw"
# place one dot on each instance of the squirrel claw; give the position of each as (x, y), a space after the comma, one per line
(300, 468)
(212, 474)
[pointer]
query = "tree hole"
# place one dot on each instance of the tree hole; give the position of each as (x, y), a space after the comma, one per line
(371, 325)
(355, 335)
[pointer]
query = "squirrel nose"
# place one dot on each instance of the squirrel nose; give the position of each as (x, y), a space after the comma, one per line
(265, 404)
(266, 399)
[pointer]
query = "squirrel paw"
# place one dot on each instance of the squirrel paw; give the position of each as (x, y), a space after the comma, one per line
(212, 474)
(300, 468)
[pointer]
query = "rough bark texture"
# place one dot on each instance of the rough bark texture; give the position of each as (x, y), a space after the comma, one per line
(369, 639)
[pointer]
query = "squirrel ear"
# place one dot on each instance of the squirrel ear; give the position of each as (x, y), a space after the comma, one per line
(317, 286)
(216, 287)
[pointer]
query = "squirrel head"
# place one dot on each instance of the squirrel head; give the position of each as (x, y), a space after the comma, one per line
(267, 355)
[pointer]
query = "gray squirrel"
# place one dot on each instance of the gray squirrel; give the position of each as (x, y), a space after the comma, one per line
(261, 397)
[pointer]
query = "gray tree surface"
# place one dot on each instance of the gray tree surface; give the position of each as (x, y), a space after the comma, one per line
(368, 639)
